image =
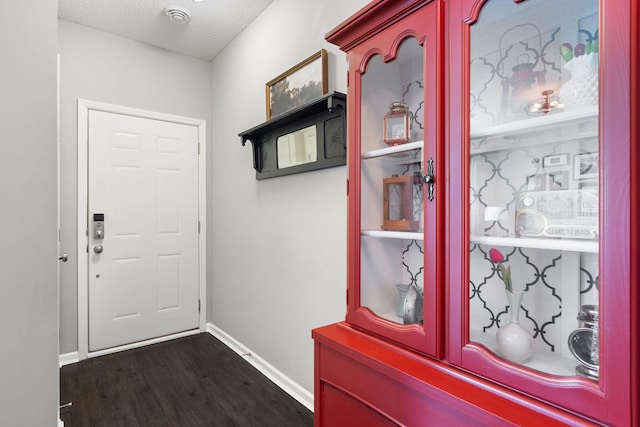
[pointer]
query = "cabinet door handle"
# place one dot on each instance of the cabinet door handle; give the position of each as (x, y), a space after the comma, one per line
(429, 179)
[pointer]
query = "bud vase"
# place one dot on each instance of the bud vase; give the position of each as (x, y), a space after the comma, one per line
(514, 342)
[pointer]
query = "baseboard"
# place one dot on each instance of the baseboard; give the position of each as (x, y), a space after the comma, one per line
(68, 358)
(74, 357)
(278, 378)
(143, 343)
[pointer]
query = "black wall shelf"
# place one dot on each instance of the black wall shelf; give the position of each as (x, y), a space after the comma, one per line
(328, 114)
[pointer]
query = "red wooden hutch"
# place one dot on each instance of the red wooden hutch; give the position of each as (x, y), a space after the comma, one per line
(515, 302)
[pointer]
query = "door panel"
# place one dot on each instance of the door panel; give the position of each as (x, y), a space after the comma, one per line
(143, 176)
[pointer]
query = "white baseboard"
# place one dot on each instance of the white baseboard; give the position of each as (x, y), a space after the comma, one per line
(74, 357)
(281, 380)
(143, 343)
(68, 358)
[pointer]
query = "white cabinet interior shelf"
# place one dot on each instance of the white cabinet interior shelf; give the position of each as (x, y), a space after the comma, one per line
(406, 235)
(556, 127)
(395, 149)
(539, 243)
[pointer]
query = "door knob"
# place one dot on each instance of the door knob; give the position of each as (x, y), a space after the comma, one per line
(98, 249)
(64, 257)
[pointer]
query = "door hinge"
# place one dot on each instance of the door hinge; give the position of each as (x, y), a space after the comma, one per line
(198, 148)
(199, 306)
(198, 227)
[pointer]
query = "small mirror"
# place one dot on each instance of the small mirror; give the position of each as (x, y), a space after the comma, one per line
(297, 148)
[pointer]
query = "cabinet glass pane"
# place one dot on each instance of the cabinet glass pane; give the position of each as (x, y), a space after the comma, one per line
(392, 256)
(534, 184)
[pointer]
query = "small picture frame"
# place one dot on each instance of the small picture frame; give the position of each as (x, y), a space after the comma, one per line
(558, 180)
(298, 85)
(585, 166)
(536, 182)
(555, 160)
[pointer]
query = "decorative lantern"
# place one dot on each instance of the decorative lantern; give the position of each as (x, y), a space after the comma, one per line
(401, 209)
(397, 124)
(523, 91)
(525, 83)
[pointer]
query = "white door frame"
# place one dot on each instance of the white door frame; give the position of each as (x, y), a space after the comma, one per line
(84, 106)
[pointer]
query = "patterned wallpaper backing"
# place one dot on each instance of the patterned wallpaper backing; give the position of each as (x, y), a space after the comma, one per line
(556, 282)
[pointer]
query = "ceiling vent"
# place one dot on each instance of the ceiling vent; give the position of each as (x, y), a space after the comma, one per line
(178, 14)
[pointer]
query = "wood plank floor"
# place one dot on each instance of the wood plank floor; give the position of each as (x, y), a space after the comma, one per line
(192, 381)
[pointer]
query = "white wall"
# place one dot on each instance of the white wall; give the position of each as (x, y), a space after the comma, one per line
(278, 259)
(102, 67)
(28, 252)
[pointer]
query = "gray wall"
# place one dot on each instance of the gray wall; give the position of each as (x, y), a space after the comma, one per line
(276, 248)
(102, 67)
(28, 252)
(278, 262)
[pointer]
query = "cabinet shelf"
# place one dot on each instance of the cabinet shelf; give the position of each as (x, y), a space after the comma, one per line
(538, 243)
(555, 128)
(396, 149)
(536, 124)
(405, 235)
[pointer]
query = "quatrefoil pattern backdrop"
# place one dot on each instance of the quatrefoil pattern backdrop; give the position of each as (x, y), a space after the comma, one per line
(557, 282)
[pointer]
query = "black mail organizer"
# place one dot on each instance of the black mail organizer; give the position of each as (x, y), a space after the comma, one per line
(323, 119)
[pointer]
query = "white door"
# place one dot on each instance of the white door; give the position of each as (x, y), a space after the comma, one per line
(143, 268)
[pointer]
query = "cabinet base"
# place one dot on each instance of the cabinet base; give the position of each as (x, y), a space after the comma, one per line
(362, 376)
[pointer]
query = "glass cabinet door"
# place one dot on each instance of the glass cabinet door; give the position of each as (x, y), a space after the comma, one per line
(391, 204)
(541, 208)
(391, 165)
(533, 184)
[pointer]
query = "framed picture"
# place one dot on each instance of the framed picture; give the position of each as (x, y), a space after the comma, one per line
(558, 180)
(555, 160)
(298, 85)
(536, 182)
(585, 166)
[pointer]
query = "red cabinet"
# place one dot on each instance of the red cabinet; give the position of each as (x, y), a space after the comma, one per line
(492, 262)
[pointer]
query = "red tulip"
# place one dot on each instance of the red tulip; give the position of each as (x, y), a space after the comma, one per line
(495, 256)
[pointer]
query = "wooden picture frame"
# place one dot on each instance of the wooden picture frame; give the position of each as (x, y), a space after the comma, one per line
(298, 85)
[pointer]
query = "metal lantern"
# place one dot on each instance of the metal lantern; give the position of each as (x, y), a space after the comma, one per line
(399, 210)
(525, 83)
(397, 124)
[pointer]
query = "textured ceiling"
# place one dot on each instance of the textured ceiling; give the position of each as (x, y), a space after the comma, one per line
(214, 23)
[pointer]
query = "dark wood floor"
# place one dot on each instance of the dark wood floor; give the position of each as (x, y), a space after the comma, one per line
(192, 381)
